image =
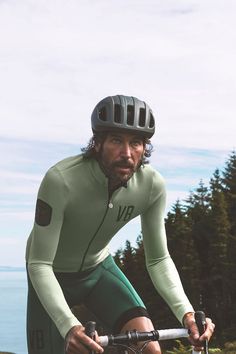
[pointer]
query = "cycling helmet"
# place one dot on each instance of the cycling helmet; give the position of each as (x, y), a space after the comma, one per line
(125, 113)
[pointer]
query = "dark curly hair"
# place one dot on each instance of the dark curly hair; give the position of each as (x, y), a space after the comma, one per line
(90, 152)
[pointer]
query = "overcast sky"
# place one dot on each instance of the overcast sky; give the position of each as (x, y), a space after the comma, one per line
(58, 58)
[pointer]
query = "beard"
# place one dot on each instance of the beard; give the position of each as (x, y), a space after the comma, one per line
(118, 172)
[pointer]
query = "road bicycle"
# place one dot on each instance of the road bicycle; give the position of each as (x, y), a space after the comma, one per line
(130, 338)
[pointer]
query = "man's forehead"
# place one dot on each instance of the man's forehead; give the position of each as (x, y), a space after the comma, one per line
(121, 134)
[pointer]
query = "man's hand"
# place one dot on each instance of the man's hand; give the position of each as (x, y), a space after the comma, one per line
(195, 338)
(77, 342)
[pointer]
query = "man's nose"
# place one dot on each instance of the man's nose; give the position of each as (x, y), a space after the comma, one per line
(125, 150)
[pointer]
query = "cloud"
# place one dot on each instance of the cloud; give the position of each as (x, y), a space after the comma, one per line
(174, 55)
(178, 160)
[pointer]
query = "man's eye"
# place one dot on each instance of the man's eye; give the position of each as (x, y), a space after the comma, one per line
(116, 141)
(136, 143)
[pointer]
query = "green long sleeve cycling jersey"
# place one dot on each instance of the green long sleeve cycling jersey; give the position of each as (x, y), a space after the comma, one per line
(75, 220)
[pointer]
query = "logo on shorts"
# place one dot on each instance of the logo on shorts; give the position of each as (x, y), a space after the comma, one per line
(125, 213)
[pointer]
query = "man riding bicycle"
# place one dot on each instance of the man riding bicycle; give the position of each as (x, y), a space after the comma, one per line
(82, 202)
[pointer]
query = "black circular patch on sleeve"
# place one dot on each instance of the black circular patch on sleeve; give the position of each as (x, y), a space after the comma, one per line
(43, 213)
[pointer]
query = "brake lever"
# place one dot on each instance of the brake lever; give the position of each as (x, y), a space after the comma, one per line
(90, 328)
(200, 319)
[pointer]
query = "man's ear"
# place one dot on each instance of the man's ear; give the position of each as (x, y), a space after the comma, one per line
(97, 146)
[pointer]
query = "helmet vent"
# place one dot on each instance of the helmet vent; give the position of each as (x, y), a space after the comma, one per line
(117, 114)
(102, 114)
(152, 122)
(142, 120)
(130, 115)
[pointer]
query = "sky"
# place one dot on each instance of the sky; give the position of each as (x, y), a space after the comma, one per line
(58, 58)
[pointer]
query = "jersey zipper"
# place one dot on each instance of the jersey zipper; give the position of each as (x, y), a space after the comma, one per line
(108, 206)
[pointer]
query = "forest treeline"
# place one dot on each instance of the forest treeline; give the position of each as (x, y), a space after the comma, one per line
(201, 233)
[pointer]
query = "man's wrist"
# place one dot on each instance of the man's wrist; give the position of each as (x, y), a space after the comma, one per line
(188, 316)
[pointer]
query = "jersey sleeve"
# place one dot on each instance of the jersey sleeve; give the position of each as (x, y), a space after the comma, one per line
(51, 202)
(160, 266)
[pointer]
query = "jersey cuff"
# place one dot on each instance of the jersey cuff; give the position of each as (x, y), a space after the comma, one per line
(65, 325)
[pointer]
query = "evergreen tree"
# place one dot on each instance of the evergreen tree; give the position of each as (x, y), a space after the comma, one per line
(143, 281)
(218, 296)
(198, 214)
(229, 184)
(128, 261)
(180, 244)
(118, 257)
